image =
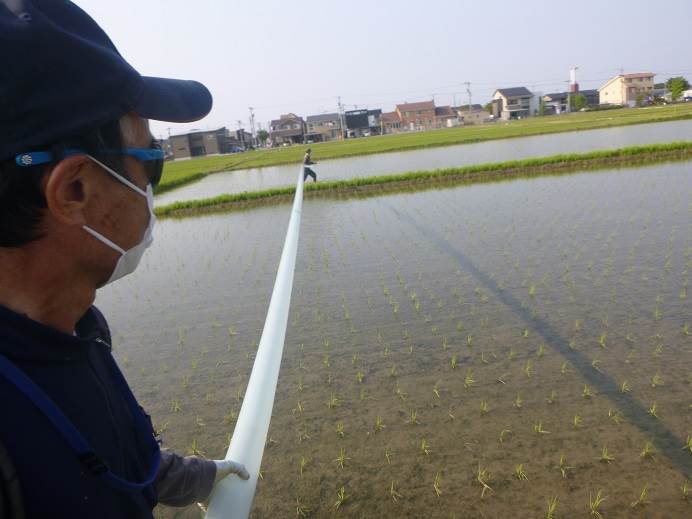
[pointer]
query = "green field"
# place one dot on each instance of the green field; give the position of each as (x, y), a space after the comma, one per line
(477, 172)
(186, 171)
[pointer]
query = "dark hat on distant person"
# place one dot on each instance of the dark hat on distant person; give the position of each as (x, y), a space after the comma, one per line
(60, 74)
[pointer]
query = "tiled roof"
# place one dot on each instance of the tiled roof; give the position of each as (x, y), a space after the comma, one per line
(515, 92)
(390, 117)
(444, 111)
(322, 118)
(409, 107)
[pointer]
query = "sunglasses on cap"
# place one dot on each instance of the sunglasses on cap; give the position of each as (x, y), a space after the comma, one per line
(151, 158)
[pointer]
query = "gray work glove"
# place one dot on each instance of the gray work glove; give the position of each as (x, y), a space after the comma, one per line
(226, 467)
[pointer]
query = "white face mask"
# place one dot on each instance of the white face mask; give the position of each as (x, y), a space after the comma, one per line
(129, 259)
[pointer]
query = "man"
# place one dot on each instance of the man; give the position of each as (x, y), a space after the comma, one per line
(77, 169)
(307, 161)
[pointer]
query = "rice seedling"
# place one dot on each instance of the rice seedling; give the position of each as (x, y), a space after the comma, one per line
(504, 434)
(301, 509)
(551, 397)
(586, 392)
(413, 417)
(538, 428)
(393, 493)
(602, 339)
(686, 329)
(399, 392)
(341, 458)
(615, 416)
(625, 387)
(564, 368)
(518, 402)
(595, 364)
(525, 333)
(194, 449)
(436, 485)
(379, 424)
(501, 378)
(469, 340)
(648, 452)
(595, 504)
(388, 455)
(341, 498)
(511, 354)
(653, 410)
(656, 380)
(483, 478)
(360, 376)
(577, 422)
(302, 463)
(563, 467)
(298, 408)
(453, 362)
(424, 447)
(468, 379)
(436, 391)
(520, 473)
(175, 406)
(484, 407)
(688, 444)
(333, 401)
(340, 429)
(540, 351)
(528, 369)
(685, 489)
(552, 506)
(605, 456)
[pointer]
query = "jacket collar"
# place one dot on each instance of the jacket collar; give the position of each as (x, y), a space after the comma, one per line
(22, 338)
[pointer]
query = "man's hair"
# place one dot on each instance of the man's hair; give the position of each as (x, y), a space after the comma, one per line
(22, 201)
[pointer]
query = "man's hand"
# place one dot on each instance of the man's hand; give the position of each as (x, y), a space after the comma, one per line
(226, 467)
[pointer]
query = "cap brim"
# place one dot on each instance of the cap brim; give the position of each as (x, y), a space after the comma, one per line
(174, 100)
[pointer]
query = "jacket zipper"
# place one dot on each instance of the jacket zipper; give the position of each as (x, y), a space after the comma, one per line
(109, 407)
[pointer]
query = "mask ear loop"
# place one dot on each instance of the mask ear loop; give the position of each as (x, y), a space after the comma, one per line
(103, 239)
(119, 178)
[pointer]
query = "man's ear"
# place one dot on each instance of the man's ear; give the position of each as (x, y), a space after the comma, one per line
(68, 188)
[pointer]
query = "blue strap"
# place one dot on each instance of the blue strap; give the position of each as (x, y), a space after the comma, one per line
(70, 433)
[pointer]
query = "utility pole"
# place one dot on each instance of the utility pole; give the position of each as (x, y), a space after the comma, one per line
(252, 127)
(468, 91)
(341, 118)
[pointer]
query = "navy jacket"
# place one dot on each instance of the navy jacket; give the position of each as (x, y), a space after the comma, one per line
(76, 372)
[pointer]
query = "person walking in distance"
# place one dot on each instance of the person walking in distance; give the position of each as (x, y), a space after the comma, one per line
(307, 161)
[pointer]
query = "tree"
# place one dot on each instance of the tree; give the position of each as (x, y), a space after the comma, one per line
(578, 102)
(677, 85)
(263, 135)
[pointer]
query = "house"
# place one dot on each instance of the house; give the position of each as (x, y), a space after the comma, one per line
(627, 89)
(199, 143)
(390, 121)
(446, 117)
(240, 139)
(363, 122)
(287, 129)
(514, 103)
(417, 116)
(473, 114)
(556, 103)
(324, 127)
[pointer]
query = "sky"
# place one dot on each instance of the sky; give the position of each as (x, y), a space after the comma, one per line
(301, 56)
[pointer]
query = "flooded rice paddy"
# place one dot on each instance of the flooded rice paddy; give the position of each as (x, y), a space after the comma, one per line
(256, 179)
(476, 351)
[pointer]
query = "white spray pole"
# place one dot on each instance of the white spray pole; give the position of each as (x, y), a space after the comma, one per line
(232, 497)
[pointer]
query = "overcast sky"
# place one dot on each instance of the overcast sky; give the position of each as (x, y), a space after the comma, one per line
(280, 56)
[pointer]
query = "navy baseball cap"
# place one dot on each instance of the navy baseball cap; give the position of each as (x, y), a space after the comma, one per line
(60, 75)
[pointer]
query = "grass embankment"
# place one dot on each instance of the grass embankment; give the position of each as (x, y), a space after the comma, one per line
(478, 172)
(183, 172)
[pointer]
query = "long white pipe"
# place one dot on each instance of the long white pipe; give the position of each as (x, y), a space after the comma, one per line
(232, 497)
